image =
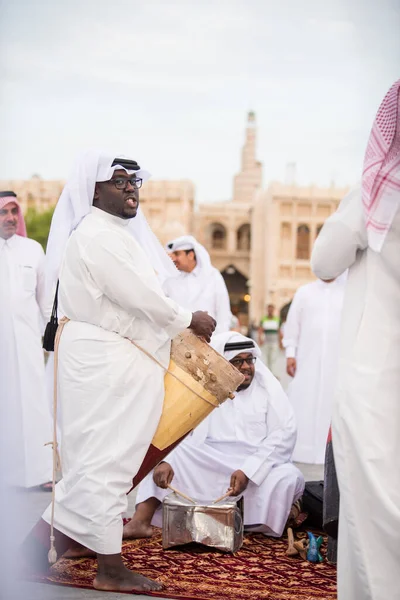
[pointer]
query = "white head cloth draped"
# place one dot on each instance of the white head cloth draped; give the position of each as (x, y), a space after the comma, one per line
(188, 242)
(265, 391)
(263, 375)
(381, 173)
(75, 203)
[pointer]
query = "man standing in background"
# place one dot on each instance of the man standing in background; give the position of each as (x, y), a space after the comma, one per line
(114, 348)
(364, 237)
(200, 286)
(311, 340)
(22, 374)
(245, 445)
(268, 335)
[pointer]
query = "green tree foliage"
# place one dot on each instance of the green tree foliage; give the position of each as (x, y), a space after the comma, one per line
(38, 225)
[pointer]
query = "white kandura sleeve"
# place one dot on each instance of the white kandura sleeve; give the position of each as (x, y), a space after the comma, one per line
(116, 274)
(342, 236)
(44, 302)
(292, 328)
(223, 305)
(277, 447)
(167, 287)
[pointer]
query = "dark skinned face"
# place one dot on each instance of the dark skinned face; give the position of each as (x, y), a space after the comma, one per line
(120, 203)
(247, 369)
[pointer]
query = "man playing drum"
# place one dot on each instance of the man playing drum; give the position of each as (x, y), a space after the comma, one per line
(110, 268)
(245, 445)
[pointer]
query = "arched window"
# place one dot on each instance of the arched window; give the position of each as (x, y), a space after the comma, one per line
(303, 242)
(319, 227)
(243, 237)
(218, 236)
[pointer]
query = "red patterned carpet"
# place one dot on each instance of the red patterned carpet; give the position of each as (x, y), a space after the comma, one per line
(259, 571)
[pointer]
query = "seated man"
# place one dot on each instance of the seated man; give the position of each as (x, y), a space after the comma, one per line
(245, 445)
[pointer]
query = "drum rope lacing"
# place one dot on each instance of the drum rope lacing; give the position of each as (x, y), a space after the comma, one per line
(52, 555)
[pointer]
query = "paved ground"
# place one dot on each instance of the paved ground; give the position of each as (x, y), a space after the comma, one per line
(30, 505)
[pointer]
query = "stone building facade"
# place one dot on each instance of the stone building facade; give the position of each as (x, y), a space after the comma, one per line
(260, 240)
(169, 207)
(36, 193)
(285, 223)
(225, 227)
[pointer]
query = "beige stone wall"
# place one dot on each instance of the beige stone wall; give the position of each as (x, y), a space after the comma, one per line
(169, 207)
(36, 193)
(256, 233)
(285, 251)
(230, 218)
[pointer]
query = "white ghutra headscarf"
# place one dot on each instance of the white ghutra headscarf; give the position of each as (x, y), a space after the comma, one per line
(188, 242)
(221, 341)
(265, 390)
(75, 203)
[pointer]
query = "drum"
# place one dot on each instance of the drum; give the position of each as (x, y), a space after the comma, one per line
(198, 380)
(215, 525)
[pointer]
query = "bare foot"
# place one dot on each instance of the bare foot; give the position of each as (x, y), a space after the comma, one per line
(123, 580)
(79, 551)
(35, 548)
(137, 529)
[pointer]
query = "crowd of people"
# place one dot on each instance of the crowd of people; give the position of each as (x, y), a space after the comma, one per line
(122, 298)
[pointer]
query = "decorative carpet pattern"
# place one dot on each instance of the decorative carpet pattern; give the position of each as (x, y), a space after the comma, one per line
(259, 571)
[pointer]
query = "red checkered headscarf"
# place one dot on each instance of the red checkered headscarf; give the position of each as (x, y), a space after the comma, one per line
(381, 173)
(7, 198)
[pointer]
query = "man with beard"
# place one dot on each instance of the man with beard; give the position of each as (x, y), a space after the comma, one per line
(110, 267)
(245, 446)
(199, 286)
(25, 411)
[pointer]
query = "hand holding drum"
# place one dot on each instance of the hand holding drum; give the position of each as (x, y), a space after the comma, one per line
(202, 325)
(197, 381)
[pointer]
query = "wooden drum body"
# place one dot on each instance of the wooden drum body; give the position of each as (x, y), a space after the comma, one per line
(198, 380)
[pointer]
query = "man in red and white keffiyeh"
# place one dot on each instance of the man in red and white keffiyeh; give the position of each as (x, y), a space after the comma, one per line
(363, 236)
(25, 424)
(11, 217)
(381, 173)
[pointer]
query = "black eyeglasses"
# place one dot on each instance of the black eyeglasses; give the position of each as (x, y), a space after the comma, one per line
(239, 362)
(121, 182)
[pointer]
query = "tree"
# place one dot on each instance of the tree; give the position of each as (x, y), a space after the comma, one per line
(38, 225)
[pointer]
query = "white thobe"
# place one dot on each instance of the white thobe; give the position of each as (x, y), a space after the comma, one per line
(255, 433)
(199, 290)
(110, 392)
(366, 415)
(311, 336)
(25, 422)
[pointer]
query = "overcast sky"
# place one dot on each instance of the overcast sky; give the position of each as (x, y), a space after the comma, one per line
(170, 83)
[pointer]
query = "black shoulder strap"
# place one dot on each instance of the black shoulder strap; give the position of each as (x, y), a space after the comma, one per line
(51, 327)
(55, 303)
